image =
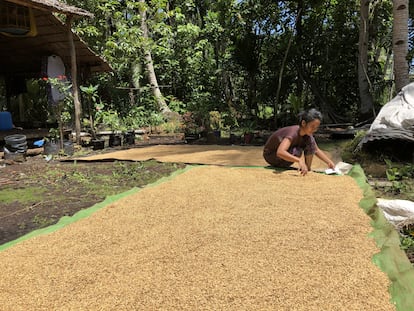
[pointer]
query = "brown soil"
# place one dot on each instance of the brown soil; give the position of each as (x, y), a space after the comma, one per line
(36, 193)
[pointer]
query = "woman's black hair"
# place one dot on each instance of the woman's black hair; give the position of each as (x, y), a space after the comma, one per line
(310, 115)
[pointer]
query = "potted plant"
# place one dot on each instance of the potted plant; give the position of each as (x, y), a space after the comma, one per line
(155, 119)
(248, 131)
(51, 143)
(91, 98)
(61, 110)
(109, 121)
(190, 127)
(216, 123)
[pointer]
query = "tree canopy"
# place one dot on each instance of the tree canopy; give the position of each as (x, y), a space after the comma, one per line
(251, 60)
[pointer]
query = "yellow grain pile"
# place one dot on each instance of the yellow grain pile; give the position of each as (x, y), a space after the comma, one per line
(212, 238)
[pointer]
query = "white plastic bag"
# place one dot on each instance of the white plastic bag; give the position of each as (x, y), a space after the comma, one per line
(341, 168)
(396, 211)
(397, 113)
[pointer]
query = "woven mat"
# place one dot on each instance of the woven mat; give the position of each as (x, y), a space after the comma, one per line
(195, 154)
(211, 238)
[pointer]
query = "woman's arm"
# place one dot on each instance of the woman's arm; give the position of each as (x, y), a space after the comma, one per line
(321, 155)
(283, 153)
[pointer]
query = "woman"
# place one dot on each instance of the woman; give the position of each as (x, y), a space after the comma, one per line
(286, 145)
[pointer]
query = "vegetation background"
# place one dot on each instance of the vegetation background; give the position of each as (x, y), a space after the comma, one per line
(251, 60)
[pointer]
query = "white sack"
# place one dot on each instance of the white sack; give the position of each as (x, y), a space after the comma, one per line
(399, 112)
(396, 211)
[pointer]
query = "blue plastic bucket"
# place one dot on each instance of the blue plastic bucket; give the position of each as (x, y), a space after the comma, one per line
(6, 122)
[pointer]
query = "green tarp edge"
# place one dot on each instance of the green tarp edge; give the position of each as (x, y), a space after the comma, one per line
(391, 259)
(66, 220)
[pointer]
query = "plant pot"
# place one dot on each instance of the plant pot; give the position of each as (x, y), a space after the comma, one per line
(97, 144)
(115, 140)
(233, 138)
(191, 137)
(68, 148)
(211, 138)
(248, 138)
(51, 147)
(129, 138)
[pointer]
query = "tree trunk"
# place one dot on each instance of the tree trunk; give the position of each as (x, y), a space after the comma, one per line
(152, 77)
(74, 76)
(400, 43)
(299, 40)
(363, 79)
(282, 67)
(279, 83)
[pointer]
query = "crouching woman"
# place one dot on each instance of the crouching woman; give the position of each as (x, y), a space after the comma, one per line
(286, 146)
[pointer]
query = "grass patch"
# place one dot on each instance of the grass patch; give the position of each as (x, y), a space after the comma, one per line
(24, 195)
(42, 221)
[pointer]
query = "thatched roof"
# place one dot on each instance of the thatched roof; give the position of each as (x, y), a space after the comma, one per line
(52, 6)
(23, 55)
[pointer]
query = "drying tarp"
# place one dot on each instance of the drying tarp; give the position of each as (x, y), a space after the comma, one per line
(198, 154)
(213, 237)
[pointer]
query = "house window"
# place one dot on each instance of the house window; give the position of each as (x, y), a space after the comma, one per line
(16, 20)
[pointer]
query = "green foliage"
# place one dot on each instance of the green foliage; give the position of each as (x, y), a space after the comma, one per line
(216, 121)
(91, 94)
(64, 106)
(111, 119)
(296, 102)
(226, 55)
(37, 107)
(397, 172)
(173, 126)
(191, 123)
(42, 221)
(139, 117)
(350, 151)
(91, 97)
(407, 242)
(407, 237)
(176, 105)
(136, 118)
(401, 176)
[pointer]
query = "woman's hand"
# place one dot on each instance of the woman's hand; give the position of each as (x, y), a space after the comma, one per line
(331, 164)
(303, 168)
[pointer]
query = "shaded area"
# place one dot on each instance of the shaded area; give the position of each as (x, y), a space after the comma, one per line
(23, 55)
(391, 133)
(395, 149)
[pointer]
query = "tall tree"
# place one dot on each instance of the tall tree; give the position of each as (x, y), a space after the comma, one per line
(363, 78)
(400, 43)
(152, 77)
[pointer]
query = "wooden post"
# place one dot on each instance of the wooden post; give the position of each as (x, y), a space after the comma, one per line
(74, 74)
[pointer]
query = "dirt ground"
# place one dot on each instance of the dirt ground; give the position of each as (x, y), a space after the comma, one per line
(36, 193)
